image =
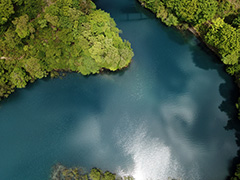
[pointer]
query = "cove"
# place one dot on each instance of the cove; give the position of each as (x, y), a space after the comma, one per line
(164, 116)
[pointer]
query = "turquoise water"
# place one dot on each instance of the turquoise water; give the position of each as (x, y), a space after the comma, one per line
(159, 118)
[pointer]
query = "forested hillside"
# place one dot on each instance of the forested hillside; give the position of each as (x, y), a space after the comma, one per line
(216, 22)
(38, 37)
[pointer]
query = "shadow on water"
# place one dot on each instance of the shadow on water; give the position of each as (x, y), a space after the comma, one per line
(56, 87)
(232, 124)
(228, 90)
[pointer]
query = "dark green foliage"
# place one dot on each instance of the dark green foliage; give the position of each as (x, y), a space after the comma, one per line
(236, 22)
(237, 173)
(15, 8)
(6, 10)
(172, 12)
(62, 35)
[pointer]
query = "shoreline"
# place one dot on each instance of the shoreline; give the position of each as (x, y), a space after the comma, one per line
(199, 37)
(234, 165)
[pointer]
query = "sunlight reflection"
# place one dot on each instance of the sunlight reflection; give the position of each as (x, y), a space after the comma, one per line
(152, 158)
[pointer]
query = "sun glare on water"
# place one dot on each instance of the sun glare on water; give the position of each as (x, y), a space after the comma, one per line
(152, 159)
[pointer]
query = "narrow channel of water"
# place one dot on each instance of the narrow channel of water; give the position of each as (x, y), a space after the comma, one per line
(159, 118)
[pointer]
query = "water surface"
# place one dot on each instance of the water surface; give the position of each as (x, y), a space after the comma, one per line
(159, 118)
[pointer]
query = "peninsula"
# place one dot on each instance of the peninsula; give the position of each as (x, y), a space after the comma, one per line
(38, 38)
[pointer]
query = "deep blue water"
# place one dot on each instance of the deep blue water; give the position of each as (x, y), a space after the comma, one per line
(159, 118)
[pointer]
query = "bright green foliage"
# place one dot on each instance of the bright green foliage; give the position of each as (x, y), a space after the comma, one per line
(34, 68)
(52, 19)
(42, 23)
(10, 40)
(68, 35)
(231, 58)
(106, 48)
(23, 27)
(171, 20)
(226, 39)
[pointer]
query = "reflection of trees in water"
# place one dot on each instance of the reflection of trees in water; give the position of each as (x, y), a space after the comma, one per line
(227, 91)
(132, 14)
(135, 12)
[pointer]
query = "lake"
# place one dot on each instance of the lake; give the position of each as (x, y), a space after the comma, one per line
(163, 116)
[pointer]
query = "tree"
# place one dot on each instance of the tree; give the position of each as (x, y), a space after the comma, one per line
(171, 20)
(225, 38)
(6, 10)
(52, 19)
(186, 10)
(23, 27)
(108, 176)
(33, 67)
(68, 35)
(206, 10)
(231, 58)
(95, 174)
(19, 77)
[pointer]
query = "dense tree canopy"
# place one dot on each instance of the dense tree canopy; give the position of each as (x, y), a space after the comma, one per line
(38, 37)
(217, 22)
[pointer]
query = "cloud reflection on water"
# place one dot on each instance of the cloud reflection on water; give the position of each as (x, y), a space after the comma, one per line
(152, 159)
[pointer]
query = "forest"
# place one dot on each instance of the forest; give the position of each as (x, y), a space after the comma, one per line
(39, 38)
(43, 37)
(215, 22)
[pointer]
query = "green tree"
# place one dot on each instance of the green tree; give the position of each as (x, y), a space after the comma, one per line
(225, 38)
(52, 19)
(171, 20)
(19, 77)
(95, 174)
(6, 10)
(33, 67)
(231, 58)
(23, 27)
(108, 176)
(186, 10)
